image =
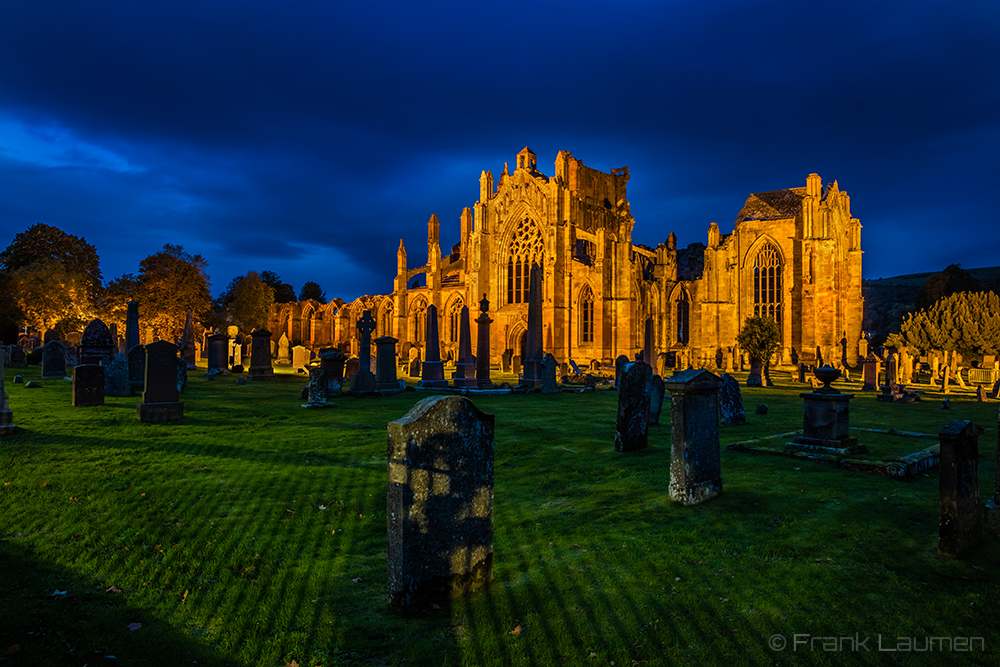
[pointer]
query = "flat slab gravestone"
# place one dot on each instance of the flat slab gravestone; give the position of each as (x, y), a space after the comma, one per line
(439, 502)
(695, 461)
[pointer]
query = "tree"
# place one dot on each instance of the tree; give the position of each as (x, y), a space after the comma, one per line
(112, 305)
(43, 242)
(953, 279)
(11, 315)
(170, 283)
(759, 337)
(45, 292)
(313, 291)
(283, 292)
(965, 322)
(246, 302)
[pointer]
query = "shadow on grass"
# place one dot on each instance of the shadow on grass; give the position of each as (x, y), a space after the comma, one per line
(52, 616)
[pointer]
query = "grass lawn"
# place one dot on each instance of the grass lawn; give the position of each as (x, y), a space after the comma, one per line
(253, 532)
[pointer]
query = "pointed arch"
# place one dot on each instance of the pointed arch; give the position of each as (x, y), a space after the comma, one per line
(585, 308)
(765, 273)
(418, 320)
(454, 310)
(680, 302)
(524, 245)
(385, 318)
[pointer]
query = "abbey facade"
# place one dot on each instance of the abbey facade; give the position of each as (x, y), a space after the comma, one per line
(794, 256)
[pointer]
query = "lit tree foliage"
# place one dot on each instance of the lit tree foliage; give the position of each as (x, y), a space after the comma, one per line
(45, 293)
(759, 337)
(246, 302)
(112, 305)
(312, 291)
(171, 282)
(44, 243)
(965, 322)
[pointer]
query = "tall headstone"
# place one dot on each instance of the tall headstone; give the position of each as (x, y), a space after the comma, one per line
(284, 352)
(621, 361)
(7, 426)
(96, 343)
(187, 343)
(136, 359)
(53, 360)
(364, 380)
(731, 401)
(905, 366)
(695, 462)
(656, 391)
(483, 345)
(332, 361)
(88, 385)
(533, 352)
(465, 367)
(550, 384)
(116, 381)
(515, 365)
(632, 426)
(432, 372)
(385, 364)
(892, 369)
(439, 503)
(961, 525)
(647, 345)
(218, 352)
(260, 355)
(132, 325)
(318, 393)
(756, 377)
(872, 368)
(992, 518)
(160, 397)
(300, 356)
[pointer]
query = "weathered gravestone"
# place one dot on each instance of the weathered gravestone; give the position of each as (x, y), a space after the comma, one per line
(872, 369)
(350, 369)
(218, 353)
(439, 503)
(549, 367)
(632, 426)
(621, 361)
(53, 360)
(731, 401)
(116, 382)
(756, 377)
(483, 345)
(159, 399)
(7, 426)
(432, 371)
(88, 385)
(317, 392)
(188, 353)
(260, 355)
(300, 356)
(136, 358)
(364, 380)
(515, 365)
(992, 518)
(131, 325)
(284, 352)
(332, 361)
(961, 522)
(96, 343)
(802, 373)
(695, 463)
(72, 358)
(506, 359)
(385, 364)
(656, 391)
(648, 355)
(981, 393)
(17, 357)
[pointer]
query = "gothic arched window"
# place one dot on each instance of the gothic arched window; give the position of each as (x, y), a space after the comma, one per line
(385, 320)
(455, 320)
(419, 322)
(683, 313)
(525, 248)
(586, 315)
(767, 284)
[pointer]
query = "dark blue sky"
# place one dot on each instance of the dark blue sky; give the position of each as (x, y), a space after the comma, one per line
(308, 138)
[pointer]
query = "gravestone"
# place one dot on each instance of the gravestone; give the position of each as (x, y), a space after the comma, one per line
(236, 353)
(647, 342)
(332, 361)
(182, 374)
(573, 367)
(761, 409)
(364, 380)
(695, 462)
(506, 359)
(72, 358)
(160, 396)
(656, 391)
(991, 520)
(719, 358)
(7, 426)
(116, 381)
(731, 401)
(826, 418)
(755, 378)
(465, 367)
(96, 343)
(905, 366)
(432, 370)
(317, 393)
(892, 369)
(300, 356)
(385, 364)
(350, 370)
(483, 345)
(996, 386)
(131, 325)
(621, 361)
(218, 352)
(187, 343)
(802, 373)
(958, 377)
(533, 352)
(871, 372)
(260, 355)
(981, 393)
(961, 522)
(51, 335)
(946, 381)
(53, 360)
(284, 352)
(136, 358)
(88, 385)
(17, 357)
(549, 369)
(515, 365)
(632, 426)
(439, 503)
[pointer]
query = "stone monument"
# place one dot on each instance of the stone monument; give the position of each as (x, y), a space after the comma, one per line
(53, 360)
(96, 343)
(533, 352)
(432, 370)
(260, 355)
(465, 367)
(364, 380)
(385, 364)
(160, 397)
(826, 418)
(695, 462)
(961, 525)
(632, 426)
(88, 385)
(483, 345)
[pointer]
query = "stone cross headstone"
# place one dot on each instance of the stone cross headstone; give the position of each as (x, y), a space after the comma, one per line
(632, 426)
(533, 352)
(621, 361)
(260, 356)
(656, 391)
(550, 384)
(432, 371)
(483, 345)
(88, 385)
(364, 380)
(385, 364)
(96, 343)
(187, 343)
(136, 358)
(731, 401)
(218, 352)
(7, 426)
(116, 381)
(695, 462)
(465, 367)
(439, 503)
(160, 396)
(53, 360)
(961, 524)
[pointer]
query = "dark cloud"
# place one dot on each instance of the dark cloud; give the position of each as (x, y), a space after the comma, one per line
(309, 139)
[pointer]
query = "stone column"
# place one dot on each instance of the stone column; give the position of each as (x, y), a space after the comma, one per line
(632, 426)
(432, 372)
(483, 346)
(260, 355)
(695, 465)
(961, 526)
(993, 506)
(385, 364)
(439, 503)
(465, 369)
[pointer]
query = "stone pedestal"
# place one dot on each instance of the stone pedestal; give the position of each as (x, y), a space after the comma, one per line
(826, 419)
(695, 462)
(439, 503)
(332, 361)
(961, 520)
